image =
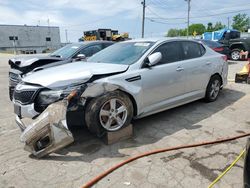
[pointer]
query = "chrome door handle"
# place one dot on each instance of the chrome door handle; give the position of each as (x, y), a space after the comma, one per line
(179, 69)
(208, 63)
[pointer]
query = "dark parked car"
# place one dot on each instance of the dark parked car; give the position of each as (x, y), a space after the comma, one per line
(218, 47)
(247, 166)
(21, 66)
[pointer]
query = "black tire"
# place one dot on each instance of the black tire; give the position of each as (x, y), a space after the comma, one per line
(235, 54)
(211, 92)
(93, 109)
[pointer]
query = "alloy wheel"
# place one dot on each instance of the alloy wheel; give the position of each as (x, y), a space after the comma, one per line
(113, 114)
(235, 55)
(215, 88)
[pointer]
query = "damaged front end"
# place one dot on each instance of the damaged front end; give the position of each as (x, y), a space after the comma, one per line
(49, 131)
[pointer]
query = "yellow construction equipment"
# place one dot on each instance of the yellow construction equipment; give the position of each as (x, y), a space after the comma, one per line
(104, 34)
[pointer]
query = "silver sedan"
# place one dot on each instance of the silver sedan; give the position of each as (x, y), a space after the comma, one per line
(131, 79)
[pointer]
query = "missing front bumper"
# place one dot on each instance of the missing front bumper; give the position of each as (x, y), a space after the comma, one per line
(48, 132)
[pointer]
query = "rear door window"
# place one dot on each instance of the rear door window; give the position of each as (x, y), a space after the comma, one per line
(170, 52)
(191, 50)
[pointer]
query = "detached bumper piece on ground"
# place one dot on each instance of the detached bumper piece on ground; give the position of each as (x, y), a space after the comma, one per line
(48, 132)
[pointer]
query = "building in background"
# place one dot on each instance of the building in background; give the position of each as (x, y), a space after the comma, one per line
(24, 39)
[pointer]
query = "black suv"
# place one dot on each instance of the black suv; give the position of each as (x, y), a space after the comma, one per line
(235, 43)
(21, 66)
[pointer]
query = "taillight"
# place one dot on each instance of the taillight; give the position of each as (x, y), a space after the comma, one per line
(218, 49)
(224, 57)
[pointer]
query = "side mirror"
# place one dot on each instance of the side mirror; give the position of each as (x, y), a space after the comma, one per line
(154, 58)
(80, 57)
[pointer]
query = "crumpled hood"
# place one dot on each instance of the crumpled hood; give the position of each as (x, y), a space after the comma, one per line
(27, 61)
(77, 72)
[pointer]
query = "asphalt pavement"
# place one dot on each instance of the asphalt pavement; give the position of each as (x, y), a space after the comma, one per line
(88, 156)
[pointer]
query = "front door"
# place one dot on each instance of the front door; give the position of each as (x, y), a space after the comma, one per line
(165, 80)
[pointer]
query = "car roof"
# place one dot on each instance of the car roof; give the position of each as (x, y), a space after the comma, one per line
(92, 42)
(159, 40)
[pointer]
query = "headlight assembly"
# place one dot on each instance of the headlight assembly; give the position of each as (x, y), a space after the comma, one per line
(47, 97)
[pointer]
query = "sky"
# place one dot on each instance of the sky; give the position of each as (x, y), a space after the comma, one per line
(77, 16)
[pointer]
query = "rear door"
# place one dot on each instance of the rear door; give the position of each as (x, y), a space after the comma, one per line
(197, 67)
(166, 79)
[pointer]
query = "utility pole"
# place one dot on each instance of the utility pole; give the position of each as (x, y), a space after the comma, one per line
(188, 17)
(143, 17)
(228, 22)
(66, 35)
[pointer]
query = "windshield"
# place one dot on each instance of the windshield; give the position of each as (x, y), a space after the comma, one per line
(125, 53)
(66, 51)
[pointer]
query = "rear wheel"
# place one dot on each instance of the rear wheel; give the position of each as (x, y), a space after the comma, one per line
(235, 54)
(109, 112)
(213, 88)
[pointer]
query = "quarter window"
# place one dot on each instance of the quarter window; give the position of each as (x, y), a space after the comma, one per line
(191, 50)
(170, 52)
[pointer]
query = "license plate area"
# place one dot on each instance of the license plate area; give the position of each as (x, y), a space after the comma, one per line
(17, 110)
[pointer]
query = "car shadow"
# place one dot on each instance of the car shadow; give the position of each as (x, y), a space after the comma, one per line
(147, 130)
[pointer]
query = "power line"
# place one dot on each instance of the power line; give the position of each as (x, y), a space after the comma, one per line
(166, 23)
(164, 5)
(97, 20)
(220, 9)
(194, 17)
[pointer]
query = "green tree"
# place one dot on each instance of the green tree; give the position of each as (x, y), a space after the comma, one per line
(218, 26)
(173, 33)
(183, 32)
(198, 28)
(210, 27)
(241, 22)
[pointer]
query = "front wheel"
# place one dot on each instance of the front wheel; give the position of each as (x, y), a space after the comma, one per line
(235, 54)
(109, 112)
(213, 88)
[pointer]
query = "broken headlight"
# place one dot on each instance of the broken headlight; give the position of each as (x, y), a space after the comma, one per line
(47, 97)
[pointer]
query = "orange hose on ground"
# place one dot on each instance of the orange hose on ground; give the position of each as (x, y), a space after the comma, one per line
(102, 175)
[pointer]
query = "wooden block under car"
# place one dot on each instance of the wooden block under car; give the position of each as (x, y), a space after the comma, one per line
(116, 136)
